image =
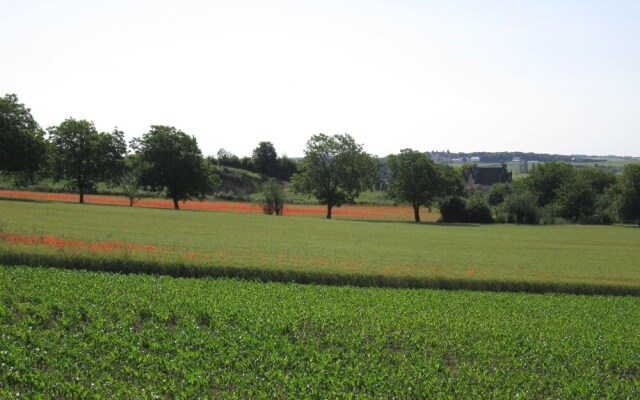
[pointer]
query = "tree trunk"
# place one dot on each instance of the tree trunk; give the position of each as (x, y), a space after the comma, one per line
(130, 201)
(176, 206)
(329, 208)
(81, 191)
(416, 213)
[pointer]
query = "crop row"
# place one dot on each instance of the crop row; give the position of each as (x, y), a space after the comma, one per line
(73, 334)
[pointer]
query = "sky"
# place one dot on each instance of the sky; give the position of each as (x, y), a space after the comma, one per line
(552, 76)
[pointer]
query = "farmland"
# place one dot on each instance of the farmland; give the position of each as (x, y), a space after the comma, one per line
(385, 213)
(74, 334)
(565, 258)
(69, 332)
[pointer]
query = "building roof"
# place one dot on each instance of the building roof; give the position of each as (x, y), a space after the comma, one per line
(491, 175)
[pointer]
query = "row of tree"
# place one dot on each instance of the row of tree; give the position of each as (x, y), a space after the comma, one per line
(335, 170)
(163, 159)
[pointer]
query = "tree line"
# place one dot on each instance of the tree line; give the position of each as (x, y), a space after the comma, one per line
(163, 159)
(335, 170)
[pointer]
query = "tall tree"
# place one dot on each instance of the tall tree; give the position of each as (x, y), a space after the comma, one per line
(84, 157)
(265, 159)
(414, 179)
(22, 144)
(335, 170)
(175, 163)
(630, 193)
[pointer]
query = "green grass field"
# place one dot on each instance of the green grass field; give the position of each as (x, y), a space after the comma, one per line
(564, 258)
(75, 334)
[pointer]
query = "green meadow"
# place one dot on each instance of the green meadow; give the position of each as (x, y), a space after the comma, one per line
(559, 258)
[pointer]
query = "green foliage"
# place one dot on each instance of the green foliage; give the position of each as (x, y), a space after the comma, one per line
(477, 210)
(335, 170)
(22, 145)
(498, 193)
(414, 179)
(265, 159)
(630, 193)
(174, 162)
(547, 178)
(576, 198)
(598, 179)
(551, 214)
(566, 258)
(273, 197)
(473, 210)
(84, 157)
(73, 334)
(132, 174)
(453, 209)
(522, 205)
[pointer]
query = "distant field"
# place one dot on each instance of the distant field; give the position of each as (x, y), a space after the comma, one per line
(73, 334)
(568, 258)
(379, 212)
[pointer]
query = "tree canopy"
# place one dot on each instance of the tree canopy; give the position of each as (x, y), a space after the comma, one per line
(630, 193)
(547, 178)
(335, 170)
(414, 179)
(265, 159)
(175, 163)
(84, 157)
(22, 144)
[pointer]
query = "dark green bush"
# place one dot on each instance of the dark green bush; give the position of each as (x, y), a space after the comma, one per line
(453, 209)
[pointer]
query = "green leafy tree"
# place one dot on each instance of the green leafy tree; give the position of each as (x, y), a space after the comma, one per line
(23, 148)
(83, 156)
(265, 159)
(576, 198)
(274, 197)
(546, 178)
(414, 179)
(175, 163)
(598, 179)
(132, 172)
(335, 170)
(630, 193)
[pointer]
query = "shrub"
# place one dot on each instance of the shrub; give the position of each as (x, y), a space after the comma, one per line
(273, 197)
(477, 210)
(522, 207)
(453, 209)
(550, 214)
(498, 193)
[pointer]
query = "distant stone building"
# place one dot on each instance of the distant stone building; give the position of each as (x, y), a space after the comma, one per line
(482, 178)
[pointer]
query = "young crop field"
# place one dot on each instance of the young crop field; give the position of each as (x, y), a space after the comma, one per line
(75, 334)
(564, 258)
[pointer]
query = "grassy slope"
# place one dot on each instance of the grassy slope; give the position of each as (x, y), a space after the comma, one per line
(71, 334)
(594, 255)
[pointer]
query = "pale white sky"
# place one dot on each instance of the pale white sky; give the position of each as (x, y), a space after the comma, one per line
(552, 76)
